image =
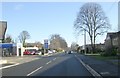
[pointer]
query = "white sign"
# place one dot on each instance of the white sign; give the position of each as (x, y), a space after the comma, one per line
(46, 41)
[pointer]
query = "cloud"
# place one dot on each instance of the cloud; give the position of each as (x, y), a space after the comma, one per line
(18, 7)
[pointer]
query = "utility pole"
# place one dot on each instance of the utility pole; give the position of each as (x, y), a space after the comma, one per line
(85, 41)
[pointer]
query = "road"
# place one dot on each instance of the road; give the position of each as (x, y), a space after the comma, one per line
(56, 65)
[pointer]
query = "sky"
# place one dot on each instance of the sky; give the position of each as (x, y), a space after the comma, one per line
(42, 19)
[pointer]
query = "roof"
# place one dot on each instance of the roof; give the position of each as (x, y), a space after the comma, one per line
(32, 44)
(112, 34)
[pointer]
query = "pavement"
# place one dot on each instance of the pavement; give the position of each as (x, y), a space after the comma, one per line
(104, 68)
(18, 59)
(5, 61)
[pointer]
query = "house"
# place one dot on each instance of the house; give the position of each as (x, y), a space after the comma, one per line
(112, 41)
(98, 47)
(3, 28)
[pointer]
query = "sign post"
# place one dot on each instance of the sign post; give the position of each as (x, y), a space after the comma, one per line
(45, 45)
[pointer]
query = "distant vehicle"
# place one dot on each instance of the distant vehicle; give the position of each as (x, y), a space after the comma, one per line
(69, 52)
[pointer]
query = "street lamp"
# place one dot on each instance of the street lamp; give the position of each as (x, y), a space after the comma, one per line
(85, 41)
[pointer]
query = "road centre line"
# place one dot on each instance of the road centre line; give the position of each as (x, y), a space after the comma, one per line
(34, 71)
(54, 59)
(39, 68)
(48, 62)
(92, 71)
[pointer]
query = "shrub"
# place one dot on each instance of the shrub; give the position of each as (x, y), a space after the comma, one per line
(112, 53)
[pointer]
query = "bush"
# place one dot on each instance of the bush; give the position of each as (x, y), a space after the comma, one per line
(110, 51)
(113, 53)
(104, 54)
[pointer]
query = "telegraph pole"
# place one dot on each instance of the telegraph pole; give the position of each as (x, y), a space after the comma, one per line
(85, 41)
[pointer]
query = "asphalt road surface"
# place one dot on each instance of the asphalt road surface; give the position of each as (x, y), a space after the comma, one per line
(57, 65)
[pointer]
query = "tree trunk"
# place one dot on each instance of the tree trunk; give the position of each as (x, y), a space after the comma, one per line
(94, 50)
(92, 45)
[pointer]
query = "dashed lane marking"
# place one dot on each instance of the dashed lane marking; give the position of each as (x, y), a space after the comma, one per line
(104, 73)
(48, 62)
(34, 71)
(54, 59)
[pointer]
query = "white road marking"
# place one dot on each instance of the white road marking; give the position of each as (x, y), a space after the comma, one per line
(48, 62)
(75, 56)
(92, 71)
(9, 66)
(54, 59)
(16, 64)
(34, 71)
(20, 58)
(104, 73)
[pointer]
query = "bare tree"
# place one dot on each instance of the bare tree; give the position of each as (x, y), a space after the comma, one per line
(39, 44)
(24, 35)
(57, 42)
(8, 39)
(91, 19)
(74, 46)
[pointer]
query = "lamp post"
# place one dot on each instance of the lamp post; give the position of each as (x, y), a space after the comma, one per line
(85, 41)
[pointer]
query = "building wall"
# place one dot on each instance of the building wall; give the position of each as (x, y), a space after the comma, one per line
(97, 47)
(115, 41)
(3, 27)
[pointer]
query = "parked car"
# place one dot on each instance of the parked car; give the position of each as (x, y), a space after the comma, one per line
(32, 51)
(26, 52)
(38, 53)
(50, 52)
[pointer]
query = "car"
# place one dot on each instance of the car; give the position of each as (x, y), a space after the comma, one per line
(26, 52)
(38, 53)
(50, 52)
(54, 51)
(72, 52)
(32, 52)
(69, 52)
(29, 52)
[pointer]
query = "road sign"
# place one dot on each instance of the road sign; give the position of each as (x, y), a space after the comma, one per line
(46, 43)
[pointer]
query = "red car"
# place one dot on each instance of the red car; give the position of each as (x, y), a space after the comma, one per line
(27, 52)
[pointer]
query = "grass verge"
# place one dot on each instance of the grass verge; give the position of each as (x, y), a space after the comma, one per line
(107, 58)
